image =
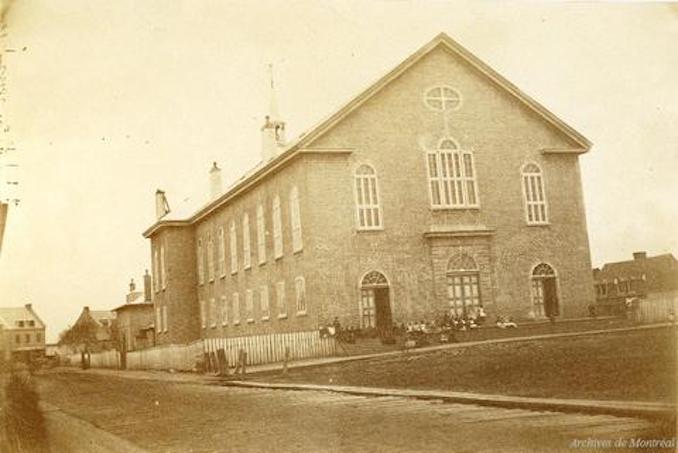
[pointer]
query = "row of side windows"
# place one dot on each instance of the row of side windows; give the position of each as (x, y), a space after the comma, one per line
(161, 324)
(27, 338)
(230, 310)
(452, 185)
(209, 249)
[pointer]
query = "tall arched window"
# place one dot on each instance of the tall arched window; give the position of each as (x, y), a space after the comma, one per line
(210, 258)
(295, 220)
(261, 234)
(375, 305)
(452, 177)
(544, 291)
(536, 212)
(277, 229)
(233, 239)
(222, 252)
(201, 263)
(463, 286)
(368, 211)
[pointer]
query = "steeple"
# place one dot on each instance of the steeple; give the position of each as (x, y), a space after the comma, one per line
(273, 130)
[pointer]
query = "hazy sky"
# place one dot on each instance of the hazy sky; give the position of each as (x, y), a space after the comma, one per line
(111, 100)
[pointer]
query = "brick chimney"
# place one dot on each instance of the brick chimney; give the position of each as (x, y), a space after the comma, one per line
(273, 130)
(215, 182)
(161, 205)
(147, 286)
(639, 256)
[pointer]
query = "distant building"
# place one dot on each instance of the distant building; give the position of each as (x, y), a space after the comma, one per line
(649, 278)
(22, 333)
(134, 319)
(92, 331)
(442, 188)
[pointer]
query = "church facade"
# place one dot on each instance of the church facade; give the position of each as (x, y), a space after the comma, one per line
(442, 188)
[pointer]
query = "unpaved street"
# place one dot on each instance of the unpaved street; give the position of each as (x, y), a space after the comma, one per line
(174, 417)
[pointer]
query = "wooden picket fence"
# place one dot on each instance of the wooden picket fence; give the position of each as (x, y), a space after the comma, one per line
(104, 359)
(262, 349)
(656, 307)
(179, 357)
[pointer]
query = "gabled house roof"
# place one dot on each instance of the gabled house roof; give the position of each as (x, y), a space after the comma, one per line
(306, 139)
(9, 316)
(661, 272)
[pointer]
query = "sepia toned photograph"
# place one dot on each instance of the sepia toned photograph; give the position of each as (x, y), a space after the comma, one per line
(338, 226)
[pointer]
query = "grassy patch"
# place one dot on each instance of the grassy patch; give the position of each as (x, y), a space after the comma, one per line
(638, 365)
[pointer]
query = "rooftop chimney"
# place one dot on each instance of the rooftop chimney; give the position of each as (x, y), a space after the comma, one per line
(639, 255)
(132, 286)
(147, 286)
(273, 130)
(161, 205)
(215, 182)
(28, 306)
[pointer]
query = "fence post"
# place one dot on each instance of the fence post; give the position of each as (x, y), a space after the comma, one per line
(287, 358)
(244, 362)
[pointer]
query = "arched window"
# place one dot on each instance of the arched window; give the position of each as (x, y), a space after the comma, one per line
(463, 286)
(277, 229)
(452, 177)
(201, 264)
(210, 258)
(544, 292)
(163, 268)
(295, 220)
(536, 212)
(233, 239)
(368, 212)
(222, 252)
(442, 98)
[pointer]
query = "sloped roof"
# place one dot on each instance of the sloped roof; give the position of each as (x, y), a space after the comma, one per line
(307, 138)
(10, 315)
(661, 271)
(99, 315)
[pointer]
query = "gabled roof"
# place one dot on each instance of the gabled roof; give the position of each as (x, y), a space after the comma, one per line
(99, 315)
(10, 315)
(661, 271)
(306, 139)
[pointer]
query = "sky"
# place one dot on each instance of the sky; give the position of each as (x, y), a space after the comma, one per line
(108, 101)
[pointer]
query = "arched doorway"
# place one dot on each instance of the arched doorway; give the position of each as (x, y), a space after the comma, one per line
(463, 286)
(544, 291)
(375, 302)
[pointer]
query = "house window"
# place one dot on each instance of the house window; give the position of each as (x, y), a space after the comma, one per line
(28, 337)
(158, 320)
(38, 337)
(17, 339)
(165, 326)
(368, 211)
(280, 299)
(210, 258)
(263, 302)
(442, 98)
(31, 323)
(234, 248)
(300, 290)
(213, 313)
(277, 229)
(603, 289)
(235, 309)
(261, 234)
(201, 264)
(463, 286)
(249, 305)
(20, 323)
(295, 220)
(163, 268)
(203, 315)
(247, 256)
(452, 180)
(222, 252)
(534, 195)
(224, 311)
(156, 270)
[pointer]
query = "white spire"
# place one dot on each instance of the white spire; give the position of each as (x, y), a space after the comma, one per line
(273, 113)
(273, 130)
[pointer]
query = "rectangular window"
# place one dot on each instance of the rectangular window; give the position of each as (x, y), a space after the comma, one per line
(261, 235)
(263, 303)
(249, 305)
(213, 313)
(156, 270)
(17, 339)
(246, 251)
(277, 229)
(235, 309)
(201, 264)
(295, 221)
(452, 180)
(38, 337)
(300, 291)
(210, 258)
(222, 253)
(28, 337)
(224, 311)
(203, 314)
(280, 299)
(158, 320)
(535, 199)
(165, 326)
(234, 248)
(163, 268)
(367, 199)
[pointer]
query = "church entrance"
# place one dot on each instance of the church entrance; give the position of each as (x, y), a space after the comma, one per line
(375, 302)
(544, 291)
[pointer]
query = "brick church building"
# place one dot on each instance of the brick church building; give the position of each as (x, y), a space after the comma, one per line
(440, 188)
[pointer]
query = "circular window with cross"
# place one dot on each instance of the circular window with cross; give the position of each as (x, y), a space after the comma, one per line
(442, 98)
